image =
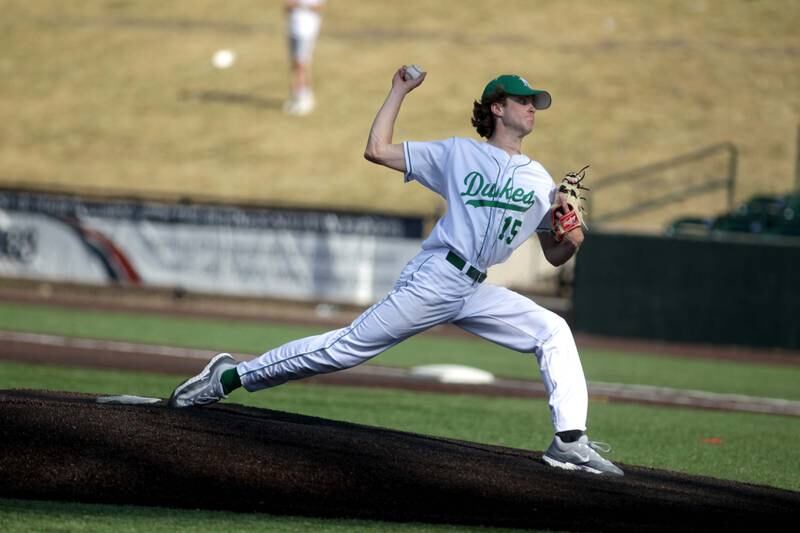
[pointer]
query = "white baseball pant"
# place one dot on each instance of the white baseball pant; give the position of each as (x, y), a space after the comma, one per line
(431, 291)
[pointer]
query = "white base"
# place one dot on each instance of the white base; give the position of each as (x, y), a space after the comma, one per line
(453, 374)
(127, 399)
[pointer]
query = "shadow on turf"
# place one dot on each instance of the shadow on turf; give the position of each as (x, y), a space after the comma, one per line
(66, 447)
(229, 97)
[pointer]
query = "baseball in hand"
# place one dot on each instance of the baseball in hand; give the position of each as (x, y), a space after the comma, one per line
(413, 72)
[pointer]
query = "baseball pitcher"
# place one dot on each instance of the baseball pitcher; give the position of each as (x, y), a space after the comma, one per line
(497, 197)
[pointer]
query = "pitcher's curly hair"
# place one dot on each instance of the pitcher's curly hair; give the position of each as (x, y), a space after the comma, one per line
(482, 116)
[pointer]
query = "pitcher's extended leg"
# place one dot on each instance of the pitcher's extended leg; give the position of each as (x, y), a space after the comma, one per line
(416, 304)
(516, 322)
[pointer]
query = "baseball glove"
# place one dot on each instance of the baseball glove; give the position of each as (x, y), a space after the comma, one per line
(564, 222)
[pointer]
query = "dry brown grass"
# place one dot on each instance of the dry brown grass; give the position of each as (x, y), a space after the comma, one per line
(120, 96)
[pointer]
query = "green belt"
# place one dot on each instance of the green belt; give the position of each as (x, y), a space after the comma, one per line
(472, 272)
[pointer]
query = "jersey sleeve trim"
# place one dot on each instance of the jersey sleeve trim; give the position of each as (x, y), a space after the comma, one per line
(409, 167)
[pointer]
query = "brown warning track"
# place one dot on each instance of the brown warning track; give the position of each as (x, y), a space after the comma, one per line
(66, 447)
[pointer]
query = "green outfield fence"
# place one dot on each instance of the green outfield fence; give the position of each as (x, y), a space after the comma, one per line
(724, 290)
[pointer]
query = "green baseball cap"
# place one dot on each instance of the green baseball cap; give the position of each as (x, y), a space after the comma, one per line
(518, 86)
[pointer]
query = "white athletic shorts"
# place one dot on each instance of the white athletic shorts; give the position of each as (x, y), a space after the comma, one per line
(303, 31)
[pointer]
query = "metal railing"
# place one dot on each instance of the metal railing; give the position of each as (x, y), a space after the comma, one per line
(726, 181)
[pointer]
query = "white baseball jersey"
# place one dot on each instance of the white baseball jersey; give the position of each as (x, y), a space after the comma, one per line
(304, 20)
(495, 201)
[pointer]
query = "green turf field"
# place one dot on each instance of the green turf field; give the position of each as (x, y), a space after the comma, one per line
(660, 437)
(723, 445)
(718, 444)
(255, 337)
(23, 517)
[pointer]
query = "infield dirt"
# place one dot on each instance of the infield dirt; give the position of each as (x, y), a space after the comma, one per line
(67, 447)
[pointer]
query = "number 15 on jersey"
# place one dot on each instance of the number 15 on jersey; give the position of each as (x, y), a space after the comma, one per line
(510, 228)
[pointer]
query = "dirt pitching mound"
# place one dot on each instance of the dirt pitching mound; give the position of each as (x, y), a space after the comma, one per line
(67, 447)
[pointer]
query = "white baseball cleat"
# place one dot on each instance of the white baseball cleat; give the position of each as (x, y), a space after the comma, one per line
(580, 455)
(300, 105)
(204, 388)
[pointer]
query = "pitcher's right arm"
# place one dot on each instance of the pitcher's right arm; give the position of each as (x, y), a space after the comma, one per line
(380, 148)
